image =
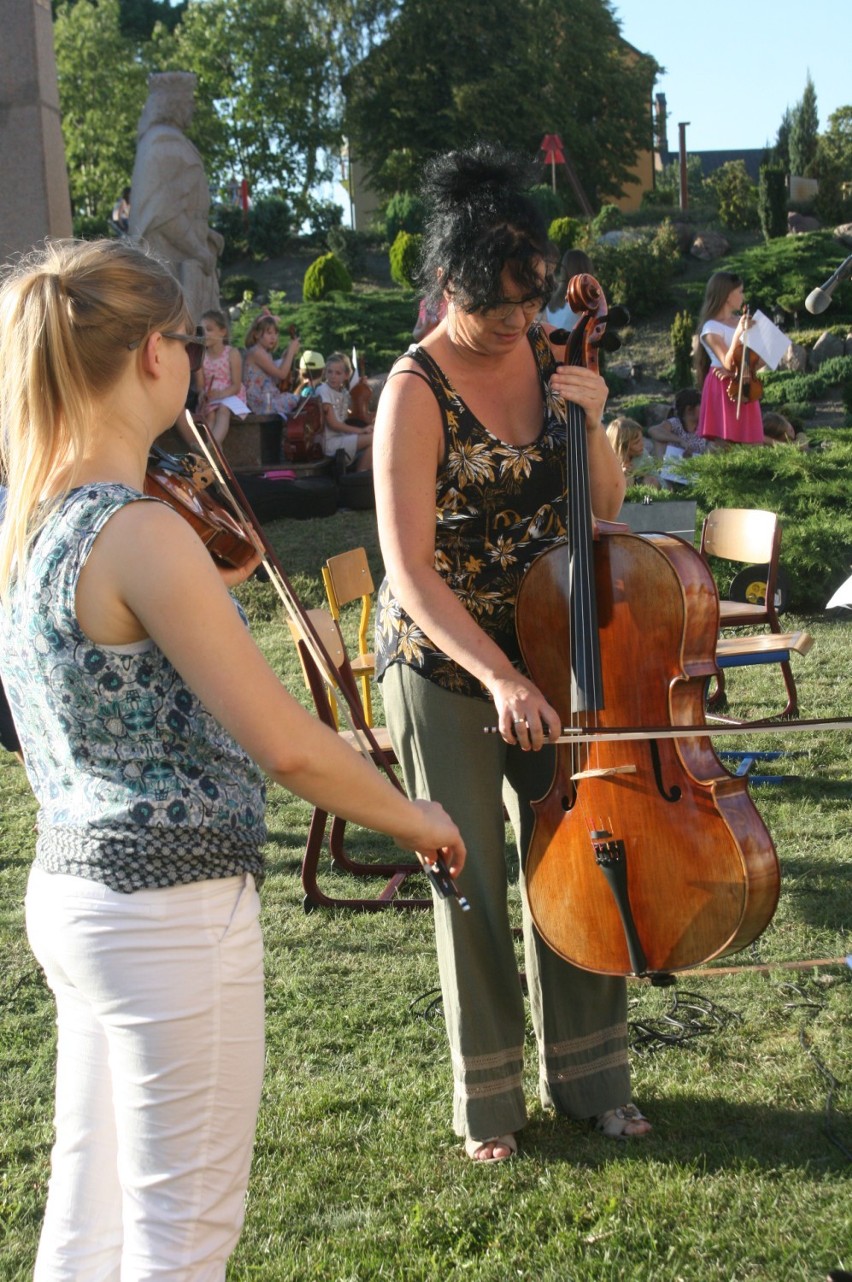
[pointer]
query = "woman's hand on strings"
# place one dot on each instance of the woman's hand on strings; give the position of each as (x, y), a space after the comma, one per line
(583, 387)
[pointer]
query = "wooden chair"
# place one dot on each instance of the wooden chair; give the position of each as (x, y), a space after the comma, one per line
(347, 578)
(325, 686)
(750, 537)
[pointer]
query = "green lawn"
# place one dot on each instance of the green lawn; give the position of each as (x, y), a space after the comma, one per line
(357, 1175)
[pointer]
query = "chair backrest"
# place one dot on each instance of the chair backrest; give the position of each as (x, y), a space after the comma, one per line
(347, 578)
(323, 681)
(749, 535)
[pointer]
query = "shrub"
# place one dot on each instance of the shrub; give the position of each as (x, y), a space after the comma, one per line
(565, 233)
(378, 323)
(233, 289)
(405, 259)
(549, 204)
(89, 226)
(325, 275)
(784, 271)
(350, 247)
(404, 212)
(639, 273)
(608, 218)
(270, 226)
(772, 202)
(808, 490)
(230, 223)
(681, 339)
(736, 194)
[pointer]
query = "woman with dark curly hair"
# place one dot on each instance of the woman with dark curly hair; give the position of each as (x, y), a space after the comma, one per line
(470, 476)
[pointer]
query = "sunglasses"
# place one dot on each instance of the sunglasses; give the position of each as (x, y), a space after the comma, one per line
(194, 344)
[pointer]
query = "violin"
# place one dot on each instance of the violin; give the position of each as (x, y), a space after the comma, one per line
(180, 483)
(359, 400)
(744, 385)
(647, 856)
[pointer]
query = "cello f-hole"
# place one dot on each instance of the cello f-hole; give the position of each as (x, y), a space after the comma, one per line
(671, 794)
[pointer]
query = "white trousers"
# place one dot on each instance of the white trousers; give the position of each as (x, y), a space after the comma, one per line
(159, 998)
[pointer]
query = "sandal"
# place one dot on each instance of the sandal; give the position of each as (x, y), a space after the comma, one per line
(474, 1147)
(620, 1123)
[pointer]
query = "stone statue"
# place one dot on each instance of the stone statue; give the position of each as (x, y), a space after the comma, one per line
(171, 200)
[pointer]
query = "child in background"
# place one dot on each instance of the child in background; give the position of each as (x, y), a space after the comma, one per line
(263, 374)
(220, 376)
(356, 442)
(681, 426)
(625, 437)
(311, 369)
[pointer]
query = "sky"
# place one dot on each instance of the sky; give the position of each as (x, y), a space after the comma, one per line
(733, 78)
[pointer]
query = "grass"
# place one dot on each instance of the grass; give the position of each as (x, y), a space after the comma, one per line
(357, 1175)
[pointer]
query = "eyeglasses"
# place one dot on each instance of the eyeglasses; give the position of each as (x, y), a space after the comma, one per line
(503, 307)
(194, 344)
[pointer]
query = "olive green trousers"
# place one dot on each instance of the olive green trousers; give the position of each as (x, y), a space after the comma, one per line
(579, 1018)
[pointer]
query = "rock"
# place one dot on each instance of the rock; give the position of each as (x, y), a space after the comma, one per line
(827, 345)
(797, 224)
(843, 233)
(795, 358)
(685, 236)
(657, 412)
(708, 246)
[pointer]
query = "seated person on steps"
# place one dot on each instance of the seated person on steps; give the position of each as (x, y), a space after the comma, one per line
(311, 370)
(338, 434)
(262, 374)
(220, 376)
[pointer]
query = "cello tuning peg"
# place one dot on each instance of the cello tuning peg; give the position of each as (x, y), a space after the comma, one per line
(610, 342)
(618, 316)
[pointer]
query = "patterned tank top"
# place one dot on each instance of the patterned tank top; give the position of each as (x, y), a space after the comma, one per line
(138, 785)
(497, 507)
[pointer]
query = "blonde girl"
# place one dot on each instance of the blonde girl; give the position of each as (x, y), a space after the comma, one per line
(220, 376)
(628, 444)
(355, 441)
(118, 645)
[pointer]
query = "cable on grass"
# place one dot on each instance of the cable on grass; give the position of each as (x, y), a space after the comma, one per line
(812, 1008)
(690, 1015)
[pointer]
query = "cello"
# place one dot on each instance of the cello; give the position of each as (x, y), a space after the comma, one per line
(647, 856)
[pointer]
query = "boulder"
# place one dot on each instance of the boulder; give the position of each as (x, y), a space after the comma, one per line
(827, 345)
(708, 246)
(685, 236)
(843, 233)
(797, 224)
(795, 358)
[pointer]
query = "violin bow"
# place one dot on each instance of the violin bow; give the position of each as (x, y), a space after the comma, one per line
(743, 360)
(362, 734)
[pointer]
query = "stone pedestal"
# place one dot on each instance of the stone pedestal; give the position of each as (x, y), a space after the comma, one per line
(34, 200)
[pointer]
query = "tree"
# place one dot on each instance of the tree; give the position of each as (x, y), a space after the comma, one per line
(833, 168)
(736, 194)
(100, 110)
(804, 131)
(509, 70)
(263, 104)
(781, 150)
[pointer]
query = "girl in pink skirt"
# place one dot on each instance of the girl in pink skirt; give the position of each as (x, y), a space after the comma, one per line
(721, 327)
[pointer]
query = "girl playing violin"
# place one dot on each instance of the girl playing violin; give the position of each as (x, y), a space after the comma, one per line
(720, 348)
(118, 649)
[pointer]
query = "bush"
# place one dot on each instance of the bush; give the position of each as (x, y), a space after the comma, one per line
(565, 233)
(549, 204)
(680, 334)
(736, 195)
(404, 212)
(808, 490)
(784, 271)
(405, 259)
(608, 218)
(780, 387)
(233, 289)
(89, 226)
(772, 202)
(639, 273)
(325, 275)
(270, 226)
(350, 247)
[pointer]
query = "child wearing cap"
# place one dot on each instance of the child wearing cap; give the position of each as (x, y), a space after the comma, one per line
(311, 368)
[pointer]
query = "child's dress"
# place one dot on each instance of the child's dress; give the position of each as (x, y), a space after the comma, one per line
(718, 415)
(216, 372)
(333, 441)
(263, 394)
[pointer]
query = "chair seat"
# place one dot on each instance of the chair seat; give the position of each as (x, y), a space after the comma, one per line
(380, 734)
(363, 664)
(734, 613)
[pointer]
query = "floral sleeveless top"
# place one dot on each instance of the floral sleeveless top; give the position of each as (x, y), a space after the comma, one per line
(497, 508)
(138, 785)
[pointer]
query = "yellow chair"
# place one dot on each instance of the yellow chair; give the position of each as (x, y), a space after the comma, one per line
(347, 578)
(749, 537)
(325, 682)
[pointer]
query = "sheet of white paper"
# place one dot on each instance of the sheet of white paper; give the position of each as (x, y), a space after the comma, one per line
(673, 452)
(843, 596)
(767, 340)
(235, 405)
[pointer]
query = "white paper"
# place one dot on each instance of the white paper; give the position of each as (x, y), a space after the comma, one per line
(234, 404)
(767, 340)
(843, 596)
(673, 452)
